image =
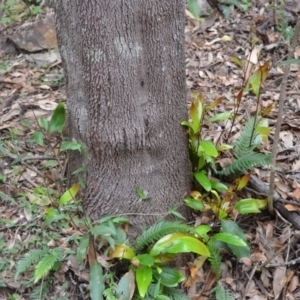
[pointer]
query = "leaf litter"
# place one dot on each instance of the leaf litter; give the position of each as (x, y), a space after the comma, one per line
(30, 90)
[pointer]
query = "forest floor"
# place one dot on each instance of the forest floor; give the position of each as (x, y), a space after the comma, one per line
(31, 85)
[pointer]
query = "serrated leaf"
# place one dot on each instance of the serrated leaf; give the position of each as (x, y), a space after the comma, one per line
(203, 180)
(96, 282)
(58, 119)
(44, 266)
(250, 205)
(179, 243)
(143, 279)
(69, 194)
(209, 148)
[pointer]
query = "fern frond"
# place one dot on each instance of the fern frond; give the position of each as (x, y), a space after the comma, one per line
(30, 259)
(109, 294)
(221, 293)
(47, 264)
(174, 294)
(40, 292)
(215, 258)
(248, 140)
(246, 162)
(159, 230)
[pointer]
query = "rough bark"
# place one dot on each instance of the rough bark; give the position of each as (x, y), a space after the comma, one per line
(125, 82)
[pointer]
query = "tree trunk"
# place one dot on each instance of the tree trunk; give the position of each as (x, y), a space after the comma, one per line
(125, 81)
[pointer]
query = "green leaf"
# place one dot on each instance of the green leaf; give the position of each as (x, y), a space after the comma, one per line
(196, 111)
(179, 243)
(257, 78)
(141, 194)
(126, 287)
(143, 279)
(145, 259)
(233, 228)
(203, 180)
(96, 282)
(58, 119)
(229, 239)
(250, 205)
(218, 186)
(69, 194)
(289, 62)
(209, 148)
(102, 230)
(43, 123)
(194, 8)
(82, 248)
(168, 276)
(194, 204)
(67, 145)
(39, 137)
(122, 251)
(220, 117)
(203, 229)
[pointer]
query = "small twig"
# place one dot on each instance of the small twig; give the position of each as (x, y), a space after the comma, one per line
(249, 281)
(279, 119)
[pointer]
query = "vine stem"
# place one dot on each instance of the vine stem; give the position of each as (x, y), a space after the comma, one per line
(279, 119)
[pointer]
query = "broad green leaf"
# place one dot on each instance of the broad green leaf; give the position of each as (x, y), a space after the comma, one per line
(141, 194)
(122, 251)
(39, 137)
(217, 185)
(67, 145)
(194, 8)
(143, 279)
(233, 228)
(196, 111)
(58, 119)
(203, 180)
(179, 243)
(209, 148)
(194, 204)
(103, 230)
(43, 123)
(168, 276)
(224, 147)
(257, 78)
(144, 259)
(203, 229)
(69, 194)
(220, 117)
(243, 182)
(289, 62)
(116, 220)
(250, 206)
(237, 61)
(229, 239)
(82, 248)
(126, 287)
(187, 124)
(97, 286)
